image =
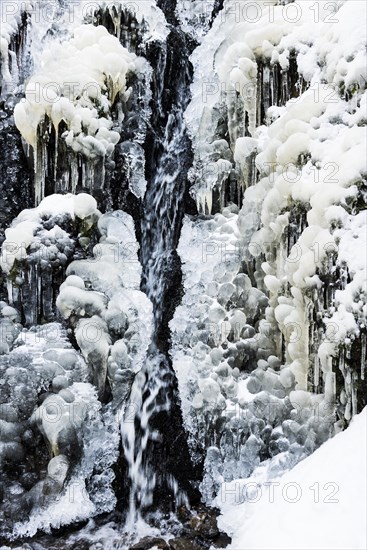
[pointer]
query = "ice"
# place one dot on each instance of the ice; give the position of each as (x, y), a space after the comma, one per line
(148, 14)
(136, 176)
(296, 229)
(268, 342)
(85, 106)
(22, 233)
(112, 318)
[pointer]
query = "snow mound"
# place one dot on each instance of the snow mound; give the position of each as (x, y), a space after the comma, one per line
(321, 503)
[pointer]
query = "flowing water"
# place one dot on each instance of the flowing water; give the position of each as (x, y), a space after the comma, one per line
(161, 220)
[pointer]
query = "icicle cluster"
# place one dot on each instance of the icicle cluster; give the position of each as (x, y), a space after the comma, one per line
(73, 94)
(280, 106)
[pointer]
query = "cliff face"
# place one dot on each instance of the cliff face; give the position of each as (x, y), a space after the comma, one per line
(183, 189)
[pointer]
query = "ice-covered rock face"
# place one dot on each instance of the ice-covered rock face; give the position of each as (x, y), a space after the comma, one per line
(45, 400)
(269, 340)
(12, 51)
(77, 86)
(50, 393)
(111, 318)
(293, 372)
(39, 245)
(101, 65)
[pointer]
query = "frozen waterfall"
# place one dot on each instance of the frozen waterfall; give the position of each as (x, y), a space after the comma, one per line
(183, 265)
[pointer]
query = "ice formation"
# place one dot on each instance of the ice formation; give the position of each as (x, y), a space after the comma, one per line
(80, 104)
(39, 245)
(296, 164)
(111, 317)
(41, 362)
(12, 55)
(319, 489)
(112, 322)
(268, 335)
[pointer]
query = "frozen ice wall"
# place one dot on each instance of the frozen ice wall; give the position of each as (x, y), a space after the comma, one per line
(269, 340)
(66, 267)
(51, 395)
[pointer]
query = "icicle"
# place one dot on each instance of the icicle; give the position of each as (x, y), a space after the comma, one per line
(342, 361)
(209, 201)
(203, 202)
(354, 395)
(38, 175)
(115, 13)
(103, 174)
(316, 371)
(348, 412)
(330, 387)
(56, 151)
(266, 89)
(363, 355)
(14, 70)
(232, 187)
(38, 277)
(74, 174)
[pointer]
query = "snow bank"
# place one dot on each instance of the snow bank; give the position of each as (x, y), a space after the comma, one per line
(320, 503)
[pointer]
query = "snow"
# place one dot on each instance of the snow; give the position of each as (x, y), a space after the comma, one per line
(77, 82)
(10, 12)
(244, 338)
(320, 503)
(145, 11)
(114, 318)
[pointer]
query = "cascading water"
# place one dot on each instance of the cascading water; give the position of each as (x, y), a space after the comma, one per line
(167, 157)
(162, 213)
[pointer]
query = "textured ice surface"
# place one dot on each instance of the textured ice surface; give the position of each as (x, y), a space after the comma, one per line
(24, 228)
(49, 397)
(84, 105)
(258, 307)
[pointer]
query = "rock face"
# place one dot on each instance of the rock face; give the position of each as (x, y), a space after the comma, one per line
(15, 173)
(150, 542)
(152, 143)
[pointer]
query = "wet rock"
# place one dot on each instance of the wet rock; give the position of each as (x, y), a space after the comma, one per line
(150, 542)
(205, 525)
(222, 541)
(183, 514)
(81, 545)
(184, 543)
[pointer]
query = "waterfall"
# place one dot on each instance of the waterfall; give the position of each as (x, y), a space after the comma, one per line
(168, 157)
(182, 258)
